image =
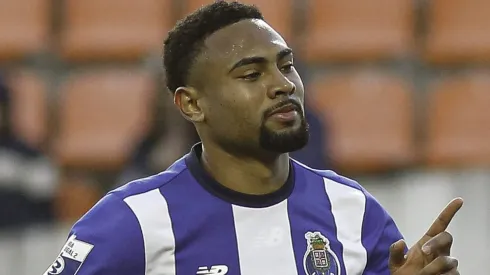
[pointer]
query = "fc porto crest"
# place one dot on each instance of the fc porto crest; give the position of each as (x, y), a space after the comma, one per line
(319, 259)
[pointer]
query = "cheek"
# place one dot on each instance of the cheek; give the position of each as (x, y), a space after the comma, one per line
(237, 114)
(248, 111)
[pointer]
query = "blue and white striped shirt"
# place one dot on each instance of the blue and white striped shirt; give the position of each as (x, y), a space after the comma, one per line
(182, 222)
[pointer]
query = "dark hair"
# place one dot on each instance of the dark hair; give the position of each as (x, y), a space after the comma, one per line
(185, 40)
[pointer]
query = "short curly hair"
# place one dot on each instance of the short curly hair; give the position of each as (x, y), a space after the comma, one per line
(185, 40)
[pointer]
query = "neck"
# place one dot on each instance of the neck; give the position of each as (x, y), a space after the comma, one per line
(246, 174)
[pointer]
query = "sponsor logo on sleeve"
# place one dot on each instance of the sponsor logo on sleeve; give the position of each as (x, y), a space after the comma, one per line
(71, 258)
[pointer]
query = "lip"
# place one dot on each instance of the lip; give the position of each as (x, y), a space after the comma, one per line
(285, 114)
(285, 109)
(286, 117)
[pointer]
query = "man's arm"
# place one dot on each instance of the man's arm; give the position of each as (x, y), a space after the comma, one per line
(105, 241)
(379, 233)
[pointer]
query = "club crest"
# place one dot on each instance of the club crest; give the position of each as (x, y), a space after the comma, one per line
(319, 259)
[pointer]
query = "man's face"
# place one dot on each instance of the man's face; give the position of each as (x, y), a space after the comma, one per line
(250, 93)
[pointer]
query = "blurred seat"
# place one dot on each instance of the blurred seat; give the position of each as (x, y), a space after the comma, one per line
(113, 29)
(103, 113)
(76, 194)
(357, 30)
(29, 106)
(458, 131)
(369, 117)
(458, 31)
(279, 16)
(24, 27)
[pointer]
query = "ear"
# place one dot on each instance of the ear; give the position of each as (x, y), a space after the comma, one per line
(187, 100)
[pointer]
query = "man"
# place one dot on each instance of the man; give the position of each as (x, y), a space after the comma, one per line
(237, 204)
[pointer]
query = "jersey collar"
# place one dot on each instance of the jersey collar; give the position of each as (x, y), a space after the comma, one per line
(193, 162)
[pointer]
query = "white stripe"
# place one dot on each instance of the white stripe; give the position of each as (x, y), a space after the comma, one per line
(264, 240)
(348, 206)
(151, 210)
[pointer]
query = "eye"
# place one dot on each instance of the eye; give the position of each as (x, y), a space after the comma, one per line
(287, 68)
(252, 76)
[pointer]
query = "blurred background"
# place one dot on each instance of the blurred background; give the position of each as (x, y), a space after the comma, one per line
(398, 95)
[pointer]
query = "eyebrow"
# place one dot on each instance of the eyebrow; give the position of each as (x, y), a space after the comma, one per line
(258, 59)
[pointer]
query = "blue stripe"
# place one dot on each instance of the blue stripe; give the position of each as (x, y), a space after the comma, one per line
(379, 232)
(310, 211)
(205, 234)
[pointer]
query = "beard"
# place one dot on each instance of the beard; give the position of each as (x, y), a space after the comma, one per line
(285, 141)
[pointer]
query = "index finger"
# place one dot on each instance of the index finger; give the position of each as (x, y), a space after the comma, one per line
(443, 220)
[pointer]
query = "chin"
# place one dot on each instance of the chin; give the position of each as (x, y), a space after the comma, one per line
(285, 140)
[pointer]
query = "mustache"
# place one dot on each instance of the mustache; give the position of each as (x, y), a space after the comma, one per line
(295, 103)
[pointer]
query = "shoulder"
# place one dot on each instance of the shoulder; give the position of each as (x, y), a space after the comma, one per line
(98, 242)
(329, 176)
(117, 207)
(145, 185)
(109, 220)
(104, 234)
(343, 186)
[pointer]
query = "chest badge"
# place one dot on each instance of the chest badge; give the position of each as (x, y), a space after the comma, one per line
(319, 258)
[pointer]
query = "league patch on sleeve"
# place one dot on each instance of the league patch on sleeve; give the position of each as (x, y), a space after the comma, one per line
(71, 257)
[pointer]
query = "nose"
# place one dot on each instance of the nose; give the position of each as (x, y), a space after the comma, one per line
(281, 86)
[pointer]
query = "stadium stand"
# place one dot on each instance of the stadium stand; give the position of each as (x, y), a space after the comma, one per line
(458, 32)
(458, 129)
(357, 30)
(76, 194)
(113, 29)
(102, 115)
(29, 107)
(370, 119)
(24, 27)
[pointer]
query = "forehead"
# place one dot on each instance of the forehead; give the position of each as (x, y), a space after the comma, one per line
(243, 39)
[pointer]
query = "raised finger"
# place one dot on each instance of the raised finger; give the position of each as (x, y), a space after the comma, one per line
(445, 217)
(440, 265)
(439, 245)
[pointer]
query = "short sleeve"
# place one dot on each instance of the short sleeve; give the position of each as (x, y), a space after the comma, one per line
(105, 241)
(379, 233)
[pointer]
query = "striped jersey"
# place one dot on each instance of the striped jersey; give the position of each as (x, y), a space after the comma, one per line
(183, 222)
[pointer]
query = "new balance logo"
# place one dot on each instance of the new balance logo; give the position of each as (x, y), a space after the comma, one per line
(214, 270)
